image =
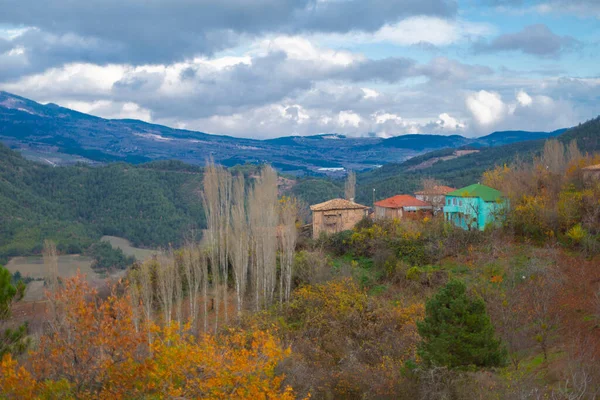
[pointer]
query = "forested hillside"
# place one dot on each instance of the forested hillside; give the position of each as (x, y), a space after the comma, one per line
(151, 204)
(461, 171)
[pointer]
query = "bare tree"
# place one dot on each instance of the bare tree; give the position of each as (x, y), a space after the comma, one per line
(133, 291)
(288, 234)
(553, 156)
(239, 241)
(146, 293)
(50, 255)
(263, 223)
(166, 277)
(193, 270)
(350, 187)
(217, 204)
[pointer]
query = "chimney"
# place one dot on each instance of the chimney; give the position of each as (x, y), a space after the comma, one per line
(352, 199)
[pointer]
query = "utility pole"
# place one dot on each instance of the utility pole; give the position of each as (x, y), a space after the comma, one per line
(373, 197)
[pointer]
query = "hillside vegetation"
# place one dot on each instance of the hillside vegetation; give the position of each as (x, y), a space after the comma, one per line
(151, 204)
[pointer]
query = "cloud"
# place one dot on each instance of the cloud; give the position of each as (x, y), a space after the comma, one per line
(523, 98)
(140, 32)
(537, 40)
(581, 8)
(486, 107)
(449, 123)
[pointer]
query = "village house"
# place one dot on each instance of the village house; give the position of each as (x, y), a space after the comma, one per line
(336, 215)
(474, 206)
(591, 173)
(402, 206)
(435, 195)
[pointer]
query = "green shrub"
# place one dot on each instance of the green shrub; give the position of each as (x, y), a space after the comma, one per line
(457, 331)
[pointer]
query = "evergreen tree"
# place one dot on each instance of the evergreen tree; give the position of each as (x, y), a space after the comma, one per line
(457, 331)
(11, 340)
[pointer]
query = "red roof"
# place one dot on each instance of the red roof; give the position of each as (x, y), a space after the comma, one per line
(402, 200)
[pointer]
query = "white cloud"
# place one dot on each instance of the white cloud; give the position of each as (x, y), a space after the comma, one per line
(487, 108)
(370, 93)
(449, 123)
(523, 98)
(381, 118)
(300, 48)
(349, 118)
(415, 30)
(112, 110)
(436, 31)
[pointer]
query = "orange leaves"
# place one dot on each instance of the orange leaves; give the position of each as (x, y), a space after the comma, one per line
(93, 350)
(496, 279)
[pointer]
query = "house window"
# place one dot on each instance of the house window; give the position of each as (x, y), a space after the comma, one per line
(460, 203)
(454, 201)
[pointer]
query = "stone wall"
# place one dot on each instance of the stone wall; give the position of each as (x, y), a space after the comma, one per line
(333, 221)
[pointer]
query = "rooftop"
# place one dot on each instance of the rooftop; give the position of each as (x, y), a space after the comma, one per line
(437, 190)
(402, 200)
(592, 168)
(337, 204)
(478, 190)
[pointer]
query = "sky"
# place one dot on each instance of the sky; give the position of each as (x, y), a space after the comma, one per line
(271, 68)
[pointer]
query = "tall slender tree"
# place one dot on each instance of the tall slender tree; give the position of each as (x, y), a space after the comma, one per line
(287, 235)
(350, 187)
(166, 277)
(239, 240)
(263, 225)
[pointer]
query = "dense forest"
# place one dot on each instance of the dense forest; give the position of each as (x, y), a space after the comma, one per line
(152, 204)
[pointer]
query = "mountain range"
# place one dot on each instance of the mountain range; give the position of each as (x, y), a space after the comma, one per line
(58, 135)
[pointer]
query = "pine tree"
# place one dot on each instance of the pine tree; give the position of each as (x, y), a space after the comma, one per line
(11, 340)
(457, 331)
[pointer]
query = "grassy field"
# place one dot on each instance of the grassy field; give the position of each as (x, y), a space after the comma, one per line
(128, 249)
(67, 266)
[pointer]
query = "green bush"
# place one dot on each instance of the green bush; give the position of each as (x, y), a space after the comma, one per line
(457, 331)
(106, 256)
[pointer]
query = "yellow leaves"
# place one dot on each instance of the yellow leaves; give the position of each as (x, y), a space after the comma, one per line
(576, 233)
(95, 348)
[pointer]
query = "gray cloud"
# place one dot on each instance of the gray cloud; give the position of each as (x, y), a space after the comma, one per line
(537, 40)
(139, 32)
(389, 70)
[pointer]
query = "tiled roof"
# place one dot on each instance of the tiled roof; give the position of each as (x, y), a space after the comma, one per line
(402, 200)
(478, 190)
(337, 204)
(437, 190)
(592, 168)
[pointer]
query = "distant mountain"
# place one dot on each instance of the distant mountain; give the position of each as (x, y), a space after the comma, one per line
(57, 135)
(507, 137)
(426, 142)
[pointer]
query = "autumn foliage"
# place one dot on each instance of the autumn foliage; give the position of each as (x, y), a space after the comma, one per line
(92, 349)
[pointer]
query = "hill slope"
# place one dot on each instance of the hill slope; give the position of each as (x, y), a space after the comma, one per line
(150, 204)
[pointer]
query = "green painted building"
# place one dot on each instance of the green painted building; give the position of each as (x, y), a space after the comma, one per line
(475, 206)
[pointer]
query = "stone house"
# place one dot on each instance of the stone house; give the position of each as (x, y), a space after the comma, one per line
(436, 196)
(336, 215)
(402, 206)
(475, 206)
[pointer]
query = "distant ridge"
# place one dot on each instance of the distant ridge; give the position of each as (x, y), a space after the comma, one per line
(58, 135)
